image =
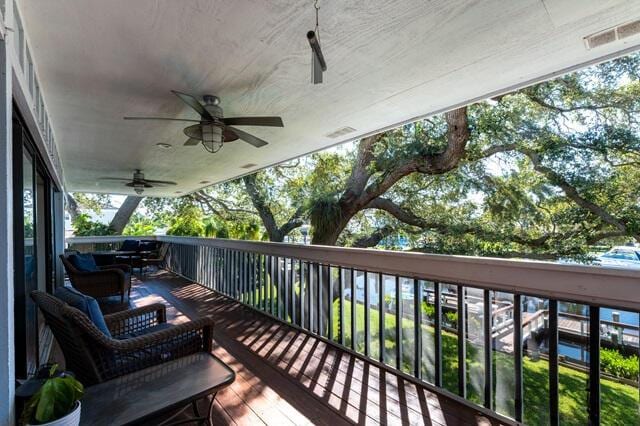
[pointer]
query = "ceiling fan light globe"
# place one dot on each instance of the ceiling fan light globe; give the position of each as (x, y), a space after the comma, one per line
(212, 147)
(212, 138)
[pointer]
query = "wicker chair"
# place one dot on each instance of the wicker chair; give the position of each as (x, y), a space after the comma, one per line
(155, 258)
(95, 357)
(110, 280)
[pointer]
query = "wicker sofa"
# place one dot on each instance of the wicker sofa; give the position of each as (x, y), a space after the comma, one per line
(110, 280)
(139, 338)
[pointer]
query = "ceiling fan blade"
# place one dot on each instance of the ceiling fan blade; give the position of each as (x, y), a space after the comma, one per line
(160, 182)
(115, 178)
(193, 103)
(253, 140)
(134, 184)
(254, 121)
(161, 118)
(191, 142)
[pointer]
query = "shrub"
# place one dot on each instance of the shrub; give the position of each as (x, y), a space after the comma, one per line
(429, 310)
(616, 364)
(451, 318)
(84, 226)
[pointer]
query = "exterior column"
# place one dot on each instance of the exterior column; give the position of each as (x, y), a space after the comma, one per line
(7, 367)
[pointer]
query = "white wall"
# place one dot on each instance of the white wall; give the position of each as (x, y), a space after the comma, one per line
(6, 233)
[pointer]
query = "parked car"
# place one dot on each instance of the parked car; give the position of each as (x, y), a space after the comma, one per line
(621, 257)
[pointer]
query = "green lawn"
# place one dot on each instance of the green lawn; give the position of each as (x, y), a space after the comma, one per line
(620, 403)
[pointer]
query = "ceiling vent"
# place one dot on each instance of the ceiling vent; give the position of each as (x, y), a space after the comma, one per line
(340, 132)
(612, 34)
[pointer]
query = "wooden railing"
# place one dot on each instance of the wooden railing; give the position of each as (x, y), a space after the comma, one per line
(354, 297)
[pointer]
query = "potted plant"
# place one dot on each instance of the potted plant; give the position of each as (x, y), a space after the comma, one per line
(54, 398)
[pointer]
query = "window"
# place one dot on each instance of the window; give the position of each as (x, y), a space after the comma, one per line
(30, 74)
(19, 36)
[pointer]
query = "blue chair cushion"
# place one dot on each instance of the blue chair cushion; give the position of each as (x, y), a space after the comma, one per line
(84, 262)
(147, 245)
(130, 245)
(86, 304)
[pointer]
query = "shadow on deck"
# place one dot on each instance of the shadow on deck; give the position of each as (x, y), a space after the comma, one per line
(287, 377)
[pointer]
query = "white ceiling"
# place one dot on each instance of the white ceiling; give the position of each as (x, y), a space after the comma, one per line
(389, 61)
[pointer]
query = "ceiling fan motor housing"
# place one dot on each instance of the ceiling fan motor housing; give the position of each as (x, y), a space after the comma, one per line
(212, 105)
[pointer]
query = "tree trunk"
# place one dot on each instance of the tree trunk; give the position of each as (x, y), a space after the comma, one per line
(72, 206)
(124, 213)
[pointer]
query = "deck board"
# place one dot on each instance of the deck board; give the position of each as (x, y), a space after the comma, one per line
(288, 377)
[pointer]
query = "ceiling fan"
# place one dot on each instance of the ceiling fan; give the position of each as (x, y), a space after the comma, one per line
(139, 183)
(213, 129)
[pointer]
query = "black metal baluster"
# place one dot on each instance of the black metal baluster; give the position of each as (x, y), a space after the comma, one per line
(285, 291)
(341, 332)
(246, 272)
(381, 316)
(232, 267)
(238, 276)
(554, 418)
(219, 269)
(310, 294)
(252, 279)
(243, 283)
(417, 328)
(367, 318)
(238, 269)
(301, 292)
(276, 275)
(488, 327)
(398, 324)
(517, 354)
(259, 302)
(214, 270)
(353, 309)
(223, 272)
(330, 304)
(214, 273)
(263, 277)
(594, 365)
(292, 283)
(272, 269)
(232, 282)
(319, 269)
(256, 280)
(462, 362)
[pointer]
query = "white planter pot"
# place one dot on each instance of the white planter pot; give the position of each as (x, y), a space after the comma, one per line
(71, 419)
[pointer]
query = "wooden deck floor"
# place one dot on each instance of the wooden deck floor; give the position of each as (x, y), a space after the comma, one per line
(287, 377)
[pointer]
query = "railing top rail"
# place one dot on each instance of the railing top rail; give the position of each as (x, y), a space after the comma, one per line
(105, 239)
(594, 285)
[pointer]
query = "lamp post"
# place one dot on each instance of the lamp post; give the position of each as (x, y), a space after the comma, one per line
(304, 229)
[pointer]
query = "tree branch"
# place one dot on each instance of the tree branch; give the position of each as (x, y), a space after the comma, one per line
(374, 238)
(458, 135)
(264, 211)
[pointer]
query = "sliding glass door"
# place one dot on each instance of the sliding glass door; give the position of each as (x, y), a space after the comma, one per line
(26, 316)
(33, 247)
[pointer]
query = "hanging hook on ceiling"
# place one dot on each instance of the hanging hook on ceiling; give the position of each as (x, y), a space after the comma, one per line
(317, 7)
(318, 65)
